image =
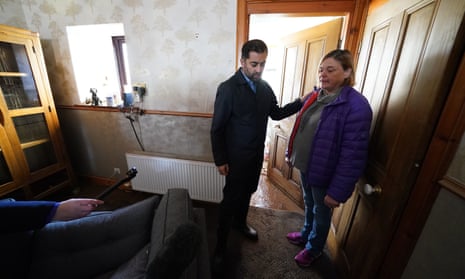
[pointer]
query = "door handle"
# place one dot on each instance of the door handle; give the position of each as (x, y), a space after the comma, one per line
(369, 190)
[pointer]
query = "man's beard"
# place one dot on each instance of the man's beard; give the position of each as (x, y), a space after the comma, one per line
(255, 77)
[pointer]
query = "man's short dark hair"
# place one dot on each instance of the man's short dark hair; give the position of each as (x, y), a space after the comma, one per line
(256, 45)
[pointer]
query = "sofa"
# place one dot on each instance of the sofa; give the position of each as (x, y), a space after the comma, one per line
(159, 237)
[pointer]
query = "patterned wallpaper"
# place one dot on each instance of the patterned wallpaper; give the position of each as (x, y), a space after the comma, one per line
(182, 49)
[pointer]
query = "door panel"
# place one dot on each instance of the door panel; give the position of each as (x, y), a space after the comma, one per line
(401, 63)
(290, 68)
(384, 136)
(302, 53)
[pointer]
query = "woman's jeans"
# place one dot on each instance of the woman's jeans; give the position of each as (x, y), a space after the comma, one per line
(317, 217)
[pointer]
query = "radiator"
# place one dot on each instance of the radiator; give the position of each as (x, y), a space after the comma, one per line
(156, 174)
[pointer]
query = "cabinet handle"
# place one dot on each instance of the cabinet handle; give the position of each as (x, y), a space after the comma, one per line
(2, 120)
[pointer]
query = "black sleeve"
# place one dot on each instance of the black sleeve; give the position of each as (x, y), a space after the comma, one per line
(221, 115)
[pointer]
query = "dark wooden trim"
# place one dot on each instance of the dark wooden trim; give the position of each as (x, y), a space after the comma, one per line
(454, 186)
(355, 10)
(145, 111)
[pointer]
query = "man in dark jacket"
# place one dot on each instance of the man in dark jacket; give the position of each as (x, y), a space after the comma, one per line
(242, 107)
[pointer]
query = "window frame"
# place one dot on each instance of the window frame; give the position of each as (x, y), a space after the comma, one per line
(118, 42)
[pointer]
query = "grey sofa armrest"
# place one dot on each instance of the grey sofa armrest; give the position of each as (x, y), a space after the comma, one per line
(203, 256)
(176, 238)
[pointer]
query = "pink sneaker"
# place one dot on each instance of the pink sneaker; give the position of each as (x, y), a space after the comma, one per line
(305, 259)
(295, 238)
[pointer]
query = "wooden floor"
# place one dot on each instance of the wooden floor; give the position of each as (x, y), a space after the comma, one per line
(266, 196)
(270, 196)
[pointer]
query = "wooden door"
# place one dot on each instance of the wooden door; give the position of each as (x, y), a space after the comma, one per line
(302, 54)
(405, 52)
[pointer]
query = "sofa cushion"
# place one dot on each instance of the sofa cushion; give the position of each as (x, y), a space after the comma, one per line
(172, 222)
(135, 268)
(61, 249)
(177, 252)
(202, 259)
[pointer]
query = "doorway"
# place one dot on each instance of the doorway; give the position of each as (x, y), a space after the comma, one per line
(272, 28)
(295, 45)
(250, 14)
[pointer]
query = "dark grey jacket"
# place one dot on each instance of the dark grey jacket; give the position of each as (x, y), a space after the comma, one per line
(240, 120)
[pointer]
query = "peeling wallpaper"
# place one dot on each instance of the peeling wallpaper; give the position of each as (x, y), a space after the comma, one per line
(182, 49)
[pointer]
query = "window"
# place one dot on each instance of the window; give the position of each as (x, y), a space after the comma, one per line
(100, 63)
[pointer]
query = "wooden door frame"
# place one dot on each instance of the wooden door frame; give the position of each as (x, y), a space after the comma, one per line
(355, 10)
(442, 148)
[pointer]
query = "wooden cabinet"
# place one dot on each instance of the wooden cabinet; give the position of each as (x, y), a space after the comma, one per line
(33, 161)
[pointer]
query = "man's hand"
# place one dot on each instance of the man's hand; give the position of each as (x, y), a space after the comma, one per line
(223, 169)
(304, 97)
(330, 202)
(288, 162)
(75, 208)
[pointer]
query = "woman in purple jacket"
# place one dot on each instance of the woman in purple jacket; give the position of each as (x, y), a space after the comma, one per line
(329, 145)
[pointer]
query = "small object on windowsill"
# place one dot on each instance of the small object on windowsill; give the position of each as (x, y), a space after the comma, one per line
(109, 101)
(95, 99)
(128, 99)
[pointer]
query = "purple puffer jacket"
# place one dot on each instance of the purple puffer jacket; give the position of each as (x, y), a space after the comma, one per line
(339, 150)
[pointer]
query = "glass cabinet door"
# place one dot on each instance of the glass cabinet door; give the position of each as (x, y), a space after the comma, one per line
(24, 107)
(5, 174)
(7, 159)
(16, 79)
(35, 141)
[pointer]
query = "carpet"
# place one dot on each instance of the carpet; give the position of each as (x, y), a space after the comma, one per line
(272, 256)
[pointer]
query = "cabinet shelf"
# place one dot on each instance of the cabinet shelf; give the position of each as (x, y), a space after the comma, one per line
(10, 74)
(34, 143)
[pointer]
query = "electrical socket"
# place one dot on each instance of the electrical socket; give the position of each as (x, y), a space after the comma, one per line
(116, 171)
(140, 88)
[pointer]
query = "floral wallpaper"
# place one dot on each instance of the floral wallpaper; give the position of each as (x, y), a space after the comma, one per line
(181, 49)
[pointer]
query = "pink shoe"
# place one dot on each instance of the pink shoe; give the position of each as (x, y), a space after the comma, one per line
(305, 259)
(295, 238)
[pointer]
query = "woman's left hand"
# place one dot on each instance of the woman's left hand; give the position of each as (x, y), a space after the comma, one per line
(330, 202)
